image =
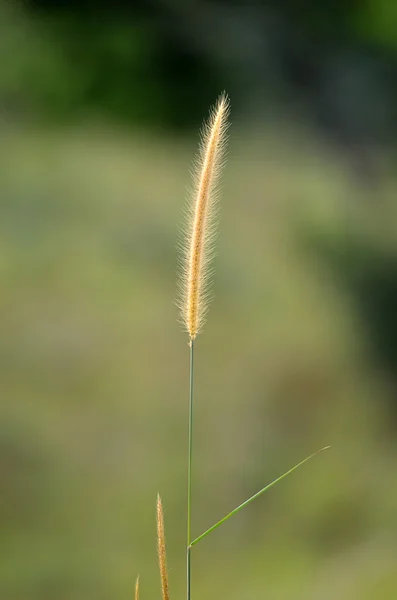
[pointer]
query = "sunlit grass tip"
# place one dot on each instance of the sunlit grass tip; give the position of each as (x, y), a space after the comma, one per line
(200, 229)
(137, 588)
(161, 550)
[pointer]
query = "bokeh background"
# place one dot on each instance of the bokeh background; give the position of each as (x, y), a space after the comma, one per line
(100, 107)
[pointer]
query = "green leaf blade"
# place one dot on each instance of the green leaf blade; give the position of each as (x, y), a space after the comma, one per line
(262, 491)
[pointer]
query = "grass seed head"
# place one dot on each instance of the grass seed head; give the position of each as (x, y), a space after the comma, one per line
(161, 550)
(198, 242)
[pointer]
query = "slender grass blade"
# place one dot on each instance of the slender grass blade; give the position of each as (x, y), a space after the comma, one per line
(262, 491)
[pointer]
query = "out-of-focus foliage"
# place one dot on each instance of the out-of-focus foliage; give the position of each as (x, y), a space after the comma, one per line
(129, 67)
(160, 62)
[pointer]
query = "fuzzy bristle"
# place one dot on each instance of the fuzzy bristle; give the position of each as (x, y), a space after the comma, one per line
(161, 550)
(137, 588)
(201, 225)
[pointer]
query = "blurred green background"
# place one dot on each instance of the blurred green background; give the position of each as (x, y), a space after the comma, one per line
(100, 107)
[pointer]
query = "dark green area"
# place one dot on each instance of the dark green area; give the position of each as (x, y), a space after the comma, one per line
(159, 63)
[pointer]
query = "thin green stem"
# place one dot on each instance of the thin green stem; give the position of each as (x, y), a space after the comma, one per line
(189, 471)
(188, 568)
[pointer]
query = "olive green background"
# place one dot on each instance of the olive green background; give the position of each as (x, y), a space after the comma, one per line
(299, 351)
